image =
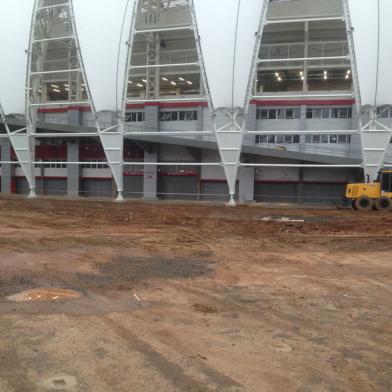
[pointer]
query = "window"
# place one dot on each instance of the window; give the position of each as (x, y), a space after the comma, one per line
(278, 139)
(325, 113)
(281, 114)
(134, 117)
(95, 165)
(179, 116)
(333, 139)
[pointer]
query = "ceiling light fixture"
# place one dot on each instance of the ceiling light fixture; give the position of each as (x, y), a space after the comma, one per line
(54, 86)
(165, 79)
(189, 82)
(182, 79)
(173, 83)
(139, 85)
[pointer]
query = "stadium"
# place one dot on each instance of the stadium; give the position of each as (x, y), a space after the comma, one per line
(284, 101)
(196, 196)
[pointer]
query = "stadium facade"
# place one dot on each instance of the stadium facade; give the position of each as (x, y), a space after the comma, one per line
(194, 99)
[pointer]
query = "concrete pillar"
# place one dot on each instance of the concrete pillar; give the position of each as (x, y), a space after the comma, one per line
(300, 187)
(150, 181)
(247, 184)
(251, 124)
(73, 171)
(7, 170)
(75, 117)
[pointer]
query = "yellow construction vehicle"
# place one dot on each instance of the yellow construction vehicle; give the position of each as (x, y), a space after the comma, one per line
(376, 195)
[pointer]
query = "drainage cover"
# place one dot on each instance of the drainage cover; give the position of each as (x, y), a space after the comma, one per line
(44, 294)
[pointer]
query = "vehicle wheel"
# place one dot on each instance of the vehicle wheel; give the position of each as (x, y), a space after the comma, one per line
(363, 203)
(383, 204)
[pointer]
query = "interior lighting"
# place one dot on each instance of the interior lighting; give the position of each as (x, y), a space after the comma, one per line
(348, 71)
(325, 75)
(173, 83)
(56, 90)
(144, 81)
(182, 79)
(54, 86)
(279, 79)
(66, 89)
(276, 74)
(139, 85)
(66, 84)
(302, 77)
(130, 82)
(165, 79)
(347, 76)
(189, 82)
(301, 73)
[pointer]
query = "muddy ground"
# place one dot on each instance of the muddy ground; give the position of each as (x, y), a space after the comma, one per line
(177, 297)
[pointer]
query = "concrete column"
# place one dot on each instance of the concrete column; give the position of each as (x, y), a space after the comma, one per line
(200, 120)
(7, 170)
(150, 180)
(251, 124)
(247, 184)
(75, 117)
(73, 171)
(300, 187)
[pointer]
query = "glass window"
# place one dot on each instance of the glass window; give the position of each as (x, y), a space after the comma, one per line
(174, 116)
(289, 114)
(191, 116)
(182, 116)
(271, 139)
(262, 114)
(166, 116)
(343, 113)
(335, 113)
(281, 113)
(324, 138)
(309, 113)
(296, 139)
(296, 113)
(272, 114)
(333, 139)
(316, 138)
(325, 113)
(316, 113)
(280, 139)
(308, 139)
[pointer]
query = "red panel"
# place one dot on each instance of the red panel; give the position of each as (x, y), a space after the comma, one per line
(168, 105)
(176, 174)
(48, 152)
(91, 152)
(65, 109)
(298, 102)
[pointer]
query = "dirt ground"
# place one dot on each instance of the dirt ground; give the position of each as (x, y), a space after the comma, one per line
(179, 297)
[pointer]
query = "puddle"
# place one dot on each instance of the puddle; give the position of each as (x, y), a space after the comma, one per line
(44, 294)
(62, 382)
(282, 219)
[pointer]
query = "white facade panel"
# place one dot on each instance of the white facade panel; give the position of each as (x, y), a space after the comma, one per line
(101, 34)
(14, 42)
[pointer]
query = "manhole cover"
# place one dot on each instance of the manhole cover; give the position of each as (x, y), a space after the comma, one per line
(62, 382)
(44, 294)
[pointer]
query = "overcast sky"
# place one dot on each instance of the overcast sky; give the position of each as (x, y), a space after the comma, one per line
(99, 29)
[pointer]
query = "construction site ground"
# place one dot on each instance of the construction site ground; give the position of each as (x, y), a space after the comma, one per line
(193, 297)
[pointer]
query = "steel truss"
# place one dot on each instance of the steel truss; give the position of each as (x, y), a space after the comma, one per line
(374, 142)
